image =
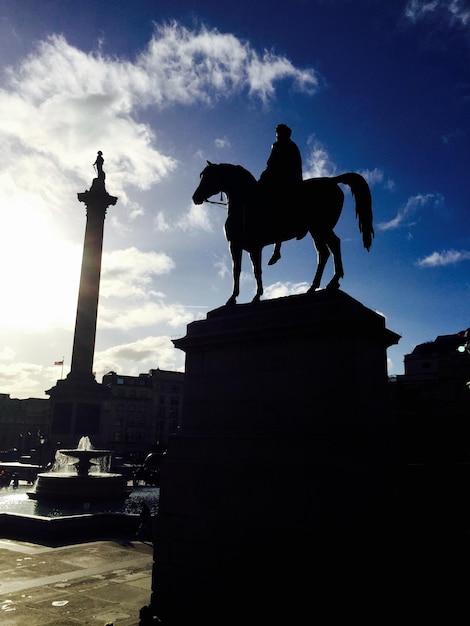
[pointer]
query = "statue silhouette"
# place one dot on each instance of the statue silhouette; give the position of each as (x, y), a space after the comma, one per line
(249, 225)
(99, 165)
(98, 186)
(280, 181)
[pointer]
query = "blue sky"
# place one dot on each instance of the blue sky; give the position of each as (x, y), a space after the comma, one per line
(381, 88)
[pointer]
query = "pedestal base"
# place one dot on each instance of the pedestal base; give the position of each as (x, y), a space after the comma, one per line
(282, 479)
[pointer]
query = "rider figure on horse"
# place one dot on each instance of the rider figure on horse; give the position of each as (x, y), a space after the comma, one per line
(282, 177)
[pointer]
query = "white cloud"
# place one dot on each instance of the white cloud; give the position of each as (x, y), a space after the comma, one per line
(410, 213)
(160, 223)
(7, 354)
(147, 314)
(454, 11)
(19, 378)
(139, 356)
(59, 101)
(195, 218)
(222, 142)
(264, 72)
(373, 177)
(443, 258)
(416, 9)
(280, 289)
(128, 273)
(187, 66)
(222, 266)
(318, 161)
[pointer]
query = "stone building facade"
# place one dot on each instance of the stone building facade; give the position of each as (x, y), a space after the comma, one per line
(142, 411)
(431, 400)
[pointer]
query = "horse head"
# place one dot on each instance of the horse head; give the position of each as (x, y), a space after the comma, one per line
(209, 184)
(223, 177)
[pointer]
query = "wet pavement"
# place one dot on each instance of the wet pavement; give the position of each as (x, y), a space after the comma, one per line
(98, 583)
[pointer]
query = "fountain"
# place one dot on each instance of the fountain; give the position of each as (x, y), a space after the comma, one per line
(86, 483)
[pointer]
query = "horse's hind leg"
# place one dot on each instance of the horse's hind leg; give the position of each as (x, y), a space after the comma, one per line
(334, 243)
(256, 262)
(323, 255)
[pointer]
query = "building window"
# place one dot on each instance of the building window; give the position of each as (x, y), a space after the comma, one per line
(120, 381)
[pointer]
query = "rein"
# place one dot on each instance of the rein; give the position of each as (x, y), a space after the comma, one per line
(221, 203)
(214, 202)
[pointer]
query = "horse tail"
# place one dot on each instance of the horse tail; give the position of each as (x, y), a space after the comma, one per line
(361, 193)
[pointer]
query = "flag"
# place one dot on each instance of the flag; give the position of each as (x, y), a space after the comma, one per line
(59, 362)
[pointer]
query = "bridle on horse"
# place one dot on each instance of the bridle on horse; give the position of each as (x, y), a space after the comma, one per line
(221, 203)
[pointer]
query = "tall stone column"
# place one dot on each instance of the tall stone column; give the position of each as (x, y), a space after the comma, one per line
(97, 201)
(76, 401)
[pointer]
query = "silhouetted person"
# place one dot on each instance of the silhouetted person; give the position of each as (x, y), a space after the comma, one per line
(145, 527)
(99, 165)
(283, 174)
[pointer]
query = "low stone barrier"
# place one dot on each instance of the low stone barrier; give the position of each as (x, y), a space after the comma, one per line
(68, 529)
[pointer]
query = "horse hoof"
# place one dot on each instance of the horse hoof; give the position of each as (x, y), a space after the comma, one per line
(333, 285)
(231, 301)
(274, 259)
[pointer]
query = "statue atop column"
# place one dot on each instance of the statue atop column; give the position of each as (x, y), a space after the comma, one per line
(97, 191)
(99, 165)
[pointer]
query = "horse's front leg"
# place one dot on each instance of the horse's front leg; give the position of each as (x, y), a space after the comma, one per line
(236, 253)
(255, 257)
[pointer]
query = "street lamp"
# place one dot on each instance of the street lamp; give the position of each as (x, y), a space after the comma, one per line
(42, 441)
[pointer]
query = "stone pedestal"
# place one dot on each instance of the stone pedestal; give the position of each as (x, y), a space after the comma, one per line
(283, 472)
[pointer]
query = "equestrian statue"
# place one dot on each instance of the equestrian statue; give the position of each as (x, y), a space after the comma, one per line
(257, 218)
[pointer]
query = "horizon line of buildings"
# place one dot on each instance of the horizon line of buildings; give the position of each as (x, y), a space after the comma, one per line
(137, 416)
(430, 403)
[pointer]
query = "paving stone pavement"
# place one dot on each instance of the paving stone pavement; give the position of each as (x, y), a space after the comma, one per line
(98, 583)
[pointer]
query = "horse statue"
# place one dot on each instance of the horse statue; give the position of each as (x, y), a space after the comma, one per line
(252, 224)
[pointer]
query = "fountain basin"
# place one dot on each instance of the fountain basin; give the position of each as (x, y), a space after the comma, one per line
(84, 485)
(59, 522)
(69, 486)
